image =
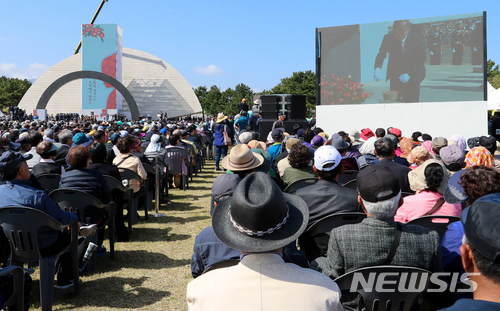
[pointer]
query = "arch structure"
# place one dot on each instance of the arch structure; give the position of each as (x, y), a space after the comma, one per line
(88, 74)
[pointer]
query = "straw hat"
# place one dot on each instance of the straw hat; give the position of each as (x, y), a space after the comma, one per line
(241, 159)
(221, 117)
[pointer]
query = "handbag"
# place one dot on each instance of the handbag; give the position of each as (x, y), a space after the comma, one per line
(227, 139)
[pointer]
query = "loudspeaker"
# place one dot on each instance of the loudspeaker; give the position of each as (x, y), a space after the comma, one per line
(297, 107)
(270, 107)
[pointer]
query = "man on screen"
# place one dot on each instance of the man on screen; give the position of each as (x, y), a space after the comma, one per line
(407, 56)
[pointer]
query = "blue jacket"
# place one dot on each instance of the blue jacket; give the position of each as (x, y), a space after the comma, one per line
(19, 192)
(242, 122)
(219, 134)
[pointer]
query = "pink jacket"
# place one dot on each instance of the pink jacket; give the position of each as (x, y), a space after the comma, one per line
(417, 205)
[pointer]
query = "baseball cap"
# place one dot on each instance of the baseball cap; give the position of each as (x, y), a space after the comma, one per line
(245, 137)
(278, 132)
(11, 159)
(375, 179)
(81, 139)
(439, 142)
(290, 142)
(366, 133)
(114, 137)
(454, 193)
(451, 154)
(481, 228)
(325, 155)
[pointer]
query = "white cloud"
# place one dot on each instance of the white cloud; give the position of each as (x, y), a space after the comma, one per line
(33, 71)
(257, 90)
(211, 70)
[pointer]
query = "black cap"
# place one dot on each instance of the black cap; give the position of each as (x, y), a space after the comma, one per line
(481, 227)
(10, 160)
(277, 132)
(375, 179)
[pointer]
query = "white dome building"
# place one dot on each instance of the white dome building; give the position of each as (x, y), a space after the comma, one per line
(155, 85)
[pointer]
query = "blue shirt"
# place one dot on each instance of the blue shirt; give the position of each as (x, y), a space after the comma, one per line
(274, 150)
(19, 193)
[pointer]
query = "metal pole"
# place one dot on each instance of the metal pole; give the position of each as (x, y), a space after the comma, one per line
(91, 22)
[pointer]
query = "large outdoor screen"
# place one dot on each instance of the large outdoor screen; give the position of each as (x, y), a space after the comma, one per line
(435, 59)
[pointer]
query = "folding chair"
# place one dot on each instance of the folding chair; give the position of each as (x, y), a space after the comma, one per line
(438, 223)
(300, 183)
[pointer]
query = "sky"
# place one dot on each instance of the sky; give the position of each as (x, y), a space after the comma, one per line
(216, 42)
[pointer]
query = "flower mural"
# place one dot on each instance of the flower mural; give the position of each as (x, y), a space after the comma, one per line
(93, 31)
(335, 90)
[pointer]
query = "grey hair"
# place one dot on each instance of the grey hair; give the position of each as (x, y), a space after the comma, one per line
(383, 210)
(65, 135)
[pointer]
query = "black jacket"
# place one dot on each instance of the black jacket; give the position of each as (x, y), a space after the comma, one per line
(46, 168)
(89, 181)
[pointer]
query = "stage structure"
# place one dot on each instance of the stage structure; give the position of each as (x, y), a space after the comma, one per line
(139, 83)
(426, 74)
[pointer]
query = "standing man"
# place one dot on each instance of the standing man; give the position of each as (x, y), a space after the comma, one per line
(280, 123)
(243, 105)
(476, 44)
(434, 44)
(458, 44)
(406, 67)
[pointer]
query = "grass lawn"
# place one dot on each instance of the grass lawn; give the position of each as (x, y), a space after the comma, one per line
(151, 271)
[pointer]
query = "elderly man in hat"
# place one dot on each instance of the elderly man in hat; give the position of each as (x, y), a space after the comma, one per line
(18, 192)
(259, 220)
(480, 252)
(275, 148)
(378, 240)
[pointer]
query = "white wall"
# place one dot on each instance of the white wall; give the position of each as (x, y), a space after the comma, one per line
(437, 119)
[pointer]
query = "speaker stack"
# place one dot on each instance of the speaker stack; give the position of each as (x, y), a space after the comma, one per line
(293, 106)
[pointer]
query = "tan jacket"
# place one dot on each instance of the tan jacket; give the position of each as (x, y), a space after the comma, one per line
(263, 282)
(133, 163)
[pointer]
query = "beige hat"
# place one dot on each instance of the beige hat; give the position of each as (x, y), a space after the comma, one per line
(417, 177)
(242, 159)
(221, 117)
(255, 144)
(290, 142)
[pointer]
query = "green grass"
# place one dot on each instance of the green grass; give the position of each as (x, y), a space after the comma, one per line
(151, 271)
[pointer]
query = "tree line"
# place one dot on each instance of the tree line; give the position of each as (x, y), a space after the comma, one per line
(12, 91)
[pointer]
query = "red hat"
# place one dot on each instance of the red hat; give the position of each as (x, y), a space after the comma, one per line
(396, 132)
(366, 133)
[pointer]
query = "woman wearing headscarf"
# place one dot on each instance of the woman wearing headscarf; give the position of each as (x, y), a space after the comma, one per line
(154, 149)
(367, 151)
(460, 141)
(478, 156)
(406, 145)
(429, 181)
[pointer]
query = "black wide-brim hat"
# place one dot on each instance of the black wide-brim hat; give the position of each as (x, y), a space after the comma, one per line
(259, 217)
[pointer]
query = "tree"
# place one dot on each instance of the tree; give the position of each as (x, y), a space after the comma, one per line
(201, 93)
(214, 102)
(300, 83)
(12, 91)
(493, 74)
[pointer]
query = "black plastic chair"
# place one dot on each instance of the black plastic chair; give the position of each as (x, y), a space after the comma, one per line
(21, 225)
(176, 157)
(347, 176)
(76, 201)
(428, 222)
(314, 242)
(129, 175)
(17, 298)
(351, 184)
(222, 264)
(115, 185)
(392, 299)
(49, 182)
(300, 183)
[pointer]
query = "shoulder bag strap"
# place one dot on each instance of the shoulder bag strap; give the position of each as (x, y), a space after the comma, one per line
(438, 204)
(394, 245)
(118, 164)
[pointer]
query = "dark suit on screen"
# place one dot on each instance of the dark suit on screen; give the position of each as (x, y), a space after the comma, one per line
(434, 45)
(410, 61)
